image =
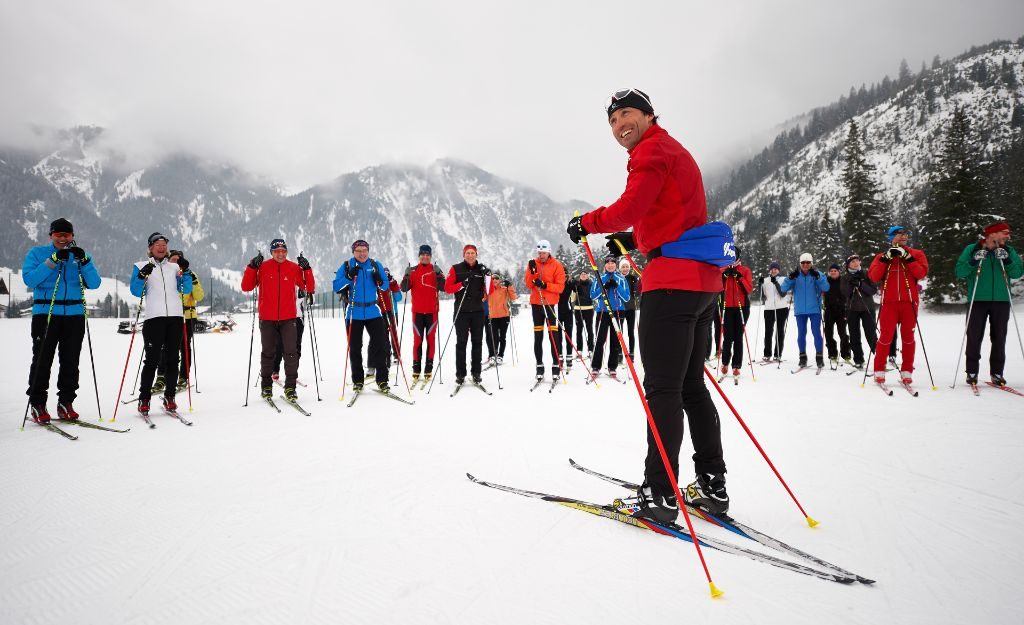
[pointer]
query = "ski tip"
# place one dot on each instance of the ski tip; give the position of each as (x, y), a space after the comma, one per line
(471, 477)
(715, 591)
(811, 522)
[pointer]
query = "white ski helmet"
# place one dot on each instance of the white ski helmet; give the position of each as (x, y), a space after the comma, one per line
(806, 258)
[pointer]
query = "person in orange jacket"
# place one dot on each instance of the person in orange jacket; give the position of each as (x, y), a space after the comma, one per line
(499, 300)
(545, 277)
(897, 269)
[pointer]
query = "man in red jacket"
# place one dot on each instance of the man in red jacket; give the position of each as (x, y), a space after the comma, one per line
(897, 270)
(425, 281)
(737, 283)
(664, 197)
(278, 281)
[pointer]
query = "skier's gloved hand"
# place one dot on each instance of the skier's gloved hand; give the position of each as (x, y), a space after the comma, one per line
(775, 279)
(813, 273)
(182, 264)
(609, 284)
(256, 261)
(575, 229)
(979, 255)
(855, 283)
(1002, 254)
(731, 272)
(146, 270)
(375, 274)
(302, 262)
(79, 254)
(60, 255)
(625, 238)
(793, 275)
(481, 269)
(506, 283)
(540, 284)
(351, 271)
(894, 252)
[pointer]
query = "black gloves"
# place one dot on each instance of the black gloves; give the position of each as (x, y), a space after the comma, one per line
(855, 283)
(351, 271)
(540, 284)
(575, 229)
(182, 264)
(303, 263)
(79, 253)
(775, 279)
(195, 278)
(377, 279)
(256, 261)
(609, 284)
(146, 270)
(506, 283)
(793, 275)
(894, 252)
(731, 272)
(480, 269)
(625, 238)
(813, 273)
(61, 255)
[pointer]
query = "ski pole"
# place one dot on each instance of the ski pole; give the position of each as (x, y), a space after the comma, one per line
(878, 332)
(184, 330)
(715, 592)
(967, 323)
(494, 351)
(1009, 297)
(577, 352)
(750, 355)
(42, 345)
(128, 357)
(398, 352)
(810, 522)
(780, 337)
(312, 331)
(458, 309)
(348, 335)
(195, 362)
(757, 333)
(550, 332)
(88, 334)
(138, 370)
(252, 333)
(401, 334)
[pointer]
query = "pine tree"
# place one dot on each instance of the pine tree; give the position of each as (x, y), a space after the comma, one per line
(952, 214)
(829, 241)
(864, 217)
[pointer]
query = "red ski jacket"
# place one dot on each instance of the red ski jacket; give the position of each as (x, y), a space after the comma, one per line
(737, 290)
(425, 282)
(664, 197)
(894, 277)
(279, 283)
(384, 298)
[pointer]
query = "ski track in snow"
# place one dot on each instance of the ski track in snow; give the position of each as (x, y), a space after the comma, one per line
(364, 515)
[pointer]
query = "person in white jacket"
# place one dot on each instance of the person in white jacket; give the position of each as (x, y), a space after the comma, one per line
(160, 284)
(776, 312)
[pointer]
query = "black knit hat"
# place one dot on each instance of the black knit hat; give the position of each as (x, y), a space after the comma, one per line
(61, 225)
(425, 249)
(278, 244)
(629, 98)
(834, 266)
(156, 236)
(360, 243)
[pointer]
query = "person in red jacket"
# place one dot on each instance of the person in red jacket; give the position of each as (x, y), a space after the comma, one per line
(388, 300)
(278, 280)
(897, 270)
(737, 283)
(424, 282)
(664, 197)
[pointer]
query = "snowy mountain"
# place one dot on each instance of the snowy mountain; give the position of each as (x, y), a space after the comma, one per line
(221, 216)
(902, 136)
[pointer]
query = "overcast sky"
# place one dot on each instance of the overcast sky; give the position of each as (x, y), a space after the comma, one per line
(304, 91)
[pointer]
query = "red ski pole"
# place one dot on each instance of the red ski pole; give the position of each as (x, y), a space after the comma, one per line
(811, 522)
(715, 592)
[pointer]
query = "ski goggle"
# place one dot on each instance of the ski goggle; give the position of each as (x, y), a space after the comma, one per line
(622, 93)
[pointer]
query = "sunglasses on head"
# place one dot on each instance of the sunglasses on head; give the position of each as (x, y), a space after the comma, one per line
(622, 93)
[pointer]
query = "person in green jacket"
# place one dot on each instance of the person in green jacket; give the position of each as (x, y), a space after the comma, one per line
(988, 266)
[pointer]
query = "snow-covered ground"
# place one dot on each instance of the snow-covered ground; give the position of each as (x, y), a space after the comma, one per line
(364, 514)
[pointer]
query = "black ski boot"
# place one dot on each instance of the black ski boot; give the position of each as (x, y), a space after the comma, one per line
(803, 359)
(819, 360)
(655, 506)
(972, 379)
(159, 384)
(998, 379)
(708, 493)
(540, 372)
(267, 392)
(290, 394)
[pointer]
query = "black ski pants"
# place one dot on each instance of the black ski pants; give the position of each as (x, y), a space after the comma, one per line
(857, 319)
(775, 331)
(716, 337)
(585, 321)
(63, 339)
(279, 353)
(377, 352)
(541, 330)
(835, 321)
(627, 320)
(186, 344)
(732, 344)
(565, 314)
(605, 331)
(998, 316)
(499, 330)
(672, 324)
(271, 333)
(469, 327)
(159, 334)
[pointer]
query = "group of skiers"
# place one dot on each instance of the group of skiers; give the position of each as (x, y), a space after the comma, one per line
(694, 280)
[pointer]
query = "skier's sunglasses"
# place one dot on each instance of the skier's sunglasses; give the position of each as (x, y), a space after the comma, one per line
(621, 93)
(806, 262)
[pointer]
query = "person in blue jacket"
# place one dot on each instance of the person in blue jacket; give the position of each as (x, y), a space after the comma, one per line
(361, 278)
(57, 273)
(807, 284)
(615, 285)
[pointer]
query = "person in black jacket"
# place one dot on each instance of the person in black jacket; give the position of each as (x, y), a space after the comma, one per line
(583, 311)
(565, 315)
(466, 281)
(835, 318)
(859, 304)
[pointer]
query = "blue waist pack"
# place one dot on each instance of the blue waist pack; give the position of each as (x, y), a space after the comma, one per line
(711, 243)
